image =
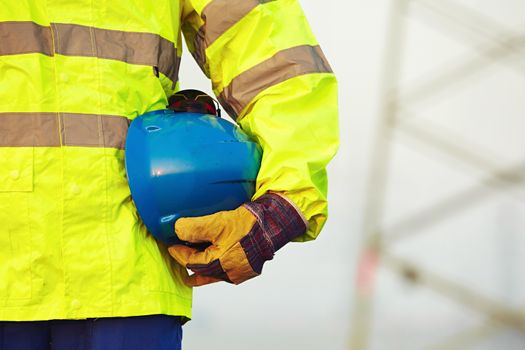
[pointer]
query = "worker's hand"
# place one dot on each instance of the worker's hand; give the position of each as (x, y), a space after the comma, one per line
(242, 240)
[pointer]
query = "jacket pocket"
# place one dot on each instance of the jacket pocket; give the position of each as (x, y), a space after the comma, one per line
(16, 185)
(16, 252)
(16, 169)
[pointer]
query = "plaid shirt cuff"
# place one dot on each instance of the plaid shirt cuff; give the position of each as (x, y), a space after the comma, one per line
(278, 222)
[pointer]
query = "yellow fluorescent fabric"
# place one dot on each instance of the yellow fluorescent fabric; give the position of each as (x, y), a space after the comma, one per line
(296, 124)
(71, 244)
(257, 37)
(160, 17)
(293, 112)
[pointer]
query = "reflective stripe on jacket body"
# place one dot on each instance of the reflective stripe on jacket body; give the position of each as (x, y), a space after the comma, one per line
(73, 75)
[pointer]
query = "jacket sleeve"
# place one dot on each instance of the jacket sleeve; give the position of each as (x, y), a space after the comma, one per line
(271, 76)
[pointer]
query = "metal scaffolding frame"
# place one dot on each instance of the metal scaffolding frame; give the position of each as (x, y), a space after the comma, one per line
(490, 43)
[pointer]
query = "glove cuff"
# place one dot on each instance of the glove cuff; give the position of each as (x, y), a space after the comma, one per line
(280, 221)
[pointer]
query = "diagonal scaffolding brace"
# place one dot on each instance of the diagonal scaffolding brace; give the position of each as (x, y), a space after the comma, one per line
(490, 42)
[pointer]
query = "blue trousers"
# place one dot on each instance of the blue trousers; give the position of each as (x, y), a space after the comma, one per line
(157, 332)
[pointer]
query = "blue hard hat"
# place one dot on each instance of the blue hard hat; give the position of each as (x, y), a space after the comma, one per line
(182, 164)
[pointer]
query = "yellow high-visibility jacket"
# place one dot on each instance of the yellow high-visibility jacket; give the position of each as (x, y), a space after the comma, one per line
(72, 76)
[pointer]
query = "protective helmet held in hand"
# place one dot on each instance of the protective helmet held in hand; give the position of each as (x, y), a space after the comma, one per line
(185, 161)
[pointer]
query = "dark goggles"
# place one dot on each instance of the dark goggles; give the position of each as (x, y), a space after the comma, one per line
(194, 101)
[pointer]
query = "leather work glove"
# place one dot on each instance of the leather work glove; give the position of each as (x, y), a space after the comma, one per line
(242, 240)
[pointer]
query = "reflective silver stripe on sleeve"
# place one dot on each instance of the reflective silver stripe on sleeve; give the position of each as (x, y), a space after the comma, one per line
(284, 65)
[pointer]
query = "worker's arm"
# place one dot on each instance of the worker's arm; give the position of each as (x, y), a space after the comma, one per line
(271, 76)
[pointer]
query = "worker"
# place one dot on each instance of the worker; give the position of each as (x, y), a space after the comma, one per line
(79, 269)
